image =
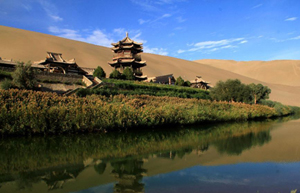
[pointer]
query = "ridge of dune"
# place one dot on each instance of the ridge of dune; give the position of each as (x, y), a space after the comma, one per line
(23, 45)
(286, 72)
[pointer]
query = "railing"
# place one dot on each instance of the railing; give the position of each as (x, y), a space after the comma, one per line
(138, 72)
(59, 75)
(87, 81)
(98, 80)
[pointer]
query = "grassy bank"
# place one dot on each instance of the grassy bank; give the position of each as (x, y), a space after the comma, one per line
(28, 112)
(113, 87)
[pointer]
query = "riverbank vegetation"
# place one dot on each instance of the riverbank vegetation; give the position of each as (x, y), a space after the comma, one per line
(26, 112)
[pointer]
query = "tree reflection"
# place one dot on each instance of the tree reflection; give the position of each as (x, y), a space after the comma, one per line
(236, 145)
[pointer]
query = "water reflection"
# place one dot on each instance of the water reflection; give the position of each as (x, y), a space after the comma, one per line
(129, 174)
(122, 160)
(236, 145)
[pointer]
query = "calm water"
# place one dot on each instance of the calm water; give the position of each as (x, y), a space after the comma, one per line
(237, 157)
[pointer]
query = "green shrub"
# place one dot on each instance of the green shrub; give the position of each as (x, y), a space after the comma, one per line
(24, 76)
(99, 72)
(231, 90)
(280, 108)
(179, 81)
(128, 74)
(187, 83)
(115, 74)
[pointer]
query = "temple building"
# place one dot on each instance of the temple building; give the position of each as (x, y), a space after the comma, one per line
(163, 79)
(126, 54)
(200, 83)
(56, 64)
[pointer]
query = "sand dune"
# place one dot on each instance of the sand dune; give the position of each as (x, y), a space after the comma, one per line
(286, 72)
(25, 45)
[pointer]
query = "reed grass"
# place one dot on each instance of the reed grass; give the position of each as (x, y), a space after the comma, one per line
(24, 112)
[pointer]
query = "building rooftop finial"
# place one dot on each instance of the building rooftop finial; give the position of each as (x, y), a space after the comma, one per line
(127, 34)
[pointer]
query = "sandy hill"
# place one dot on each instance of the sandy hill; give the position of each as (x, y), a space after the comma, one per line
(286, 72)
(25, 45)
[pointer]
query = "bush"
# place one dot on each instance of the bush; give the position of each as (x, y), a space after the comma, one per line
(187, 83)
(115, 74)
(99, 72)
(24, 76)
(280, 108)
(6, 84)
(179, 81)
(128, 74)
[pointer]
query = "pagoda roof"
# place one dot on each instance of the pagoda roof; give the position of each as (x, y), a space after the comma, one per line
(199, 80)
(53, 57)
(126, 40)
(123, 61)
(127, 47)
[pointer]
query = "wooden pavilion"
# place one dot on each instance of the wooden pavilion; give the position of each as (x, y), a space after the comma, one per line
(54, 63)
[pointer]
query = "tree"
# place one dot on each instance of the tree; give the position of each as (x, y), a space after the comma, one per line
(259, 92)
(179, 81)
(115, 74)
(24, 76)
(231, 90)
(99, 72)
(187, 83)
(128, 74)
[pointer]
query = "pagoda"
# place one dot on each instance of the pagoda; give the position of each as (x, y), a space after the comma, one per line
(126, 54)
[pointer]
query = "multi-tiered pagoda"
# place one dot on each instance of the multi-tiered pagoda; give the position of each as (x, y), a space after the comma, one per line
(126, 54)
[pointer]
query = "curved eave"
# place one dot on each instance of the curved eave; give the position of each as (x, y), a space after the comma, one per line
(59, 63)
(140, 62)
(127, 61)
(127, 47)
(122, 61)
(141, 77)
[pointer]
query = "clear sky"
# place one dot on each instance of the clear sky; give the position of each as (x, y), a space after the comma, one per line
(187, 29)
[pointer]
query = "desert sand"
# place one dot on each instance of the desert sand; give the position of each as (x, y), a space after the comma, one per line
(22, 45)
(285, 72)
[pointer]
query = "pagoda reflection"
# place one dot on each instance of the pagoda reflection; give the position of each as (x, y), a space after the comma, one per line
(129, 174)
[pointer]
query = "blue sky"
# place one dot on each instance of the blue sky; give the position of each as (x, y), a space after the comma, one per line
(187, 29)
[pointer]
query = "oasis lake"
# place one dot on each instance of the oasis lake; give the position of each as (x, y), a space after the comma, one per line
(256, 156)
